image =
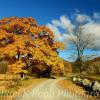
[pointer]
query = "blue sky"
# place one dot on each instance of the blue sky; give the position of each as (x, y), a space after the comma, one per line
(44, 11)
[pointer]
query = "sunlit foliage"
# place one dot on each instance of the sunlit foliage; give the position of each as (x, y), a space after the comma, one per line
(23, 43)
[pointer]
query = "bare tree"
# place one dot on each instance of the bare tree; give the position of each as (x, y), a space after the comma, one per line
(80, 42)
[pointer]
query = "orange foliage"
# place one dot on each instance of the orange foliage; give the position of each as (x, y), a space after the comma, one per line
(23, 42)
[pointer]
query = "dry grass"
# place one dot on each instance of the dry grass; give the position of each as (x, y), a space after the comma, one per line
(27, 85)
(5, 77)
(73, 88)
(69, 85)
(10, 88)
(93, 77)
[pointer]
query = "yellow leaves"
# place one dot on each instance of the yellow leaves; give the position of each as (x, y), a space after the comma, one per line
(18, 67)
(38, 54)
(48, 62)
(10, 50)
(36, 41)
(12, 53)
(25, 71)
(61, 65)
(53, 54)
(23, 36)
(61, 46)
(54, 63)
(3, 43)
(58, 45)
(34, 30)
(6, 26)
(40, 43)
(47, 30)
(2, 34)
(31, 49)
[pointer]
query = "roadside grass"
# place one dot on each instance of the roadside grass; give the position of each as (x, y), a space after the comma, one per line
(13, 87)
(70, 86)
(93, 77)
(74, 89)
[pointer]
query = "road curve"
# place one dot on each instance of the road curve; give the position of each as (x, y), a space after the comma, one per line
(49, 90)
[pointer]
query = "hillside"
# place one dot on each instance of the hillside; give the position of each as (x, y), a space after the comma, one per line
(93, 66)
(68, 68)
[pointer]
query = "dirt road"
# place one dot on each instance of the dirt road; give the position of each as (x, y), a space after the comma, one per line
(49, 90)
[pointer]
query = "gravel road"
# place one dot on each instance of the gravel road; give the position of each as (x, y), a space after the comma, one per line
(49, 90)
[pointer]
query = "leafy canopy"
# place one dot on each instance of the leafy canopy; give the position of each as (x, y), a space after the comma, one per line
(24, 43)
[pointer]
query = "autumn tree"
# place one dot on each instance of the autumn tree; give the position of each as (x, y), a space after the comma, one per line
(24, 44)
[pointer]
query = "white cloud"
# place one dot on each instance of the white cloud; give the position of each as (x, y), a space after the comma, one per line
(56, 23)
(57, 35)
(94, 30)
(81, 18)
(96, 44)
(66, 23)
(91, 27)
